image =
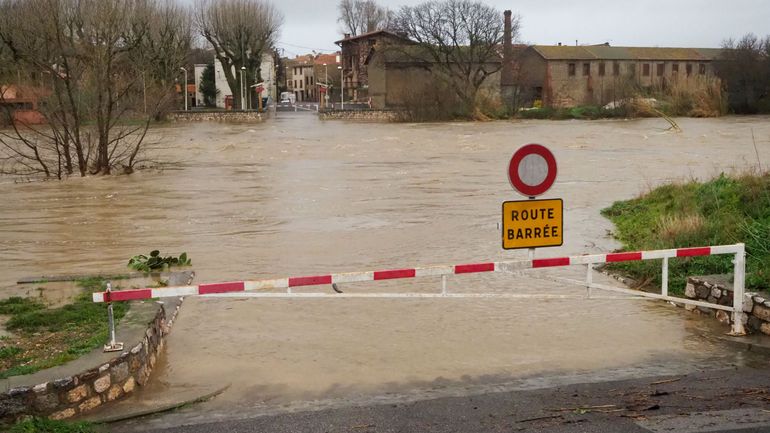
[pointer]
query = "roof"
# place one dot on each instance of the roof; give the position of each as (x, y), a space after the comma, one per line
(326, 58)
(417, 53)
(371, 34)
(604, 52)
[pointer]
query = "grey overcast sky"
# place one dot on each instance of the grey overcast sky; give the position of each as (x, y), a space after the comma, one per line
(312, 24)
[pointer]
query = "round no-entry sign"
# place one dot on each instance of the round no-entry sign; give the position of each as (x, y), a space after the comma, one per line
(532, 170)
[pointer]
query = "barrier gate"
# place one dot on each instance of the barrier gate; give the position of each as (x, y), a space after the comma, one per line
(249, 288)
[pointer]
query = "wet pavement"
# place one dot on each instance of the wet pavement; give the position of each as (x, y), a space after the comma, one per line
(298, 196)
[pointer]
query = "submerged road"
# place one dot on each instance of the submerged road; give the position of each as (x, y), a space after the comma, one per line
(299, 196)
(733, 400)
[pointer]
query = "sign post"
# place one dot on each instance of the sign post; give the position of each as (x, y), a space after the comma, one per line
(532, 223)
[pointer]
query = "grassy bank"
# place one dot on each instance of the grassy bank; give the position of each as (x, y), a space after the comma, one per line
(582, 112)
(47, 337)
(724, 210)
(43, 425)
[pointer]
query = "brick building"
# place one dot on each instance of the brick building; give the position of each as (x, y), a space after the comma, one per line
(566, 76)
(356, 53)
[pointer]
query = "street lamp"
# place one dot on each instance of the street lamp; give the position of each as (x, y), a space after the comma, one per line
(326, 81)
(243, 89)
(184, 89)
(342, 87)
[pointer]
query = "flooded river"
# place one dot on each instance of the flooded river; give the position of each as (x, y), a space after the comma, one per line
(298, 196)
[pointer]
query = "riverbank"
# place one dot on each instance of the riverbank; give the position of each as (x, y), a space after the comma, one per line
(723, 210)
(39, 337)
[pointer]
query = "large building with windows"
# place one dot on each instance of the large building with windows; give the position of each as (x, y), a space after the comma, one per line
(566, 76)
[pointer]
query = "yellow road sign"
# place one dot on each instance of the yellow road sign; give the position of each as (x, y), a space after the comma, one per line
(533, 223)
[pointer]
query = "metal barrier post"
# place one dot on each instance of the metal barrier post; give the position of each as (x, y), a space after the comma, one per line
(443, 285)
(739, 281)
(664, 278)
(112, 345)
(589, 279)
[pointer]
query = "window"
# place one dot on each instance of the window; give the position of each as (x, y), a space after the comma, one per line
(586, 69)
(646, 69)
(688, 69)
(661, 68)
(702, 69)
(571, 69)
(675, 69)
(295, 84)
(601, 69)
(616, 69)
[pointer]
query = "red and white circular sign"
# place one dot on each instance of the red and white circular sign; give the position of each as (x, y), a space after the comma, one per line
(532, 170)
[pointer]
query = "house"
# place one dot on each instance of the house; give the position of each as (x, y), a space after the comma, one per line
(325, 69)
(302, 81)
(398, 74)
(22, 103)
(566, 76)
(356, 53)
(392, 70)
(266, 72)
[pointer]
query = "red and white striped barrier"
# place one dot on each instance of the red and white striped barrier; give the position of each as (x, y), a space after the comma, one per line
(353, 277)
(247, 288)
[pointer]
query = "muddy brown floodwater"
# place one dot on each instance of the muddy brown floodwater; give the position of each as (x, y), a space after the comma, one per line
(298, 196)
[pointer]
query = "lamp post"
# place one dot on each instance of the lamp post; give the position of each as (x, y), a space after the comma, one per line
(243, 88)
(342, 87)
(184, 89)
(326, 81)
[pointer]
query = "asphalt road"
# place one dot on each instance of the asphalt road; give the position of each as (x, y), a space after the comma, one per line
(733, 400)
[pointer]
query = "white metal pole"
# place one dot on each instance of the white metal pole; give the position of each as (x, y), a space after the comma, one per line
(326, 81)
(112, 345)
(664, 278)
(243, 90)
(589, 279)
(739, 281)
(342, 88)
(184, 88)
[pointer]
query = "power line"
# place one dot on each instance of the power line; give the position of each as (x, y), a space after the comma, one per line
(306, 48)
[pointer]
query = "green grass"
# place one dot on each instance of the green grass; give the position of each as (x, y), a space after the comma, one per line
(581, 112)
(16, 305)
(724, 210)
(44, 425)
(75, 328)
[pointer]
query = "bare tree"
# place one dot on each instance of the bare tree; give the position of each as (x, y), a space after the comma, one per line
(744, 66)
(85, 60)
(240, 31)
(459, 40)
(362, 16)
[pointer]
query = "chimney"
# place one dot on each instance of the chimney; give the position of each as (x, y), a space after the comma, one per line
(347, 36)
(506, 75)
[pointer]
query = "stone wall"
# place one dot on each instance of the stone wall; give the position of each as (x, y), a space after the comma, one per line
(216, 116)
(363, 115)
(717, 289)
(70, 396)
